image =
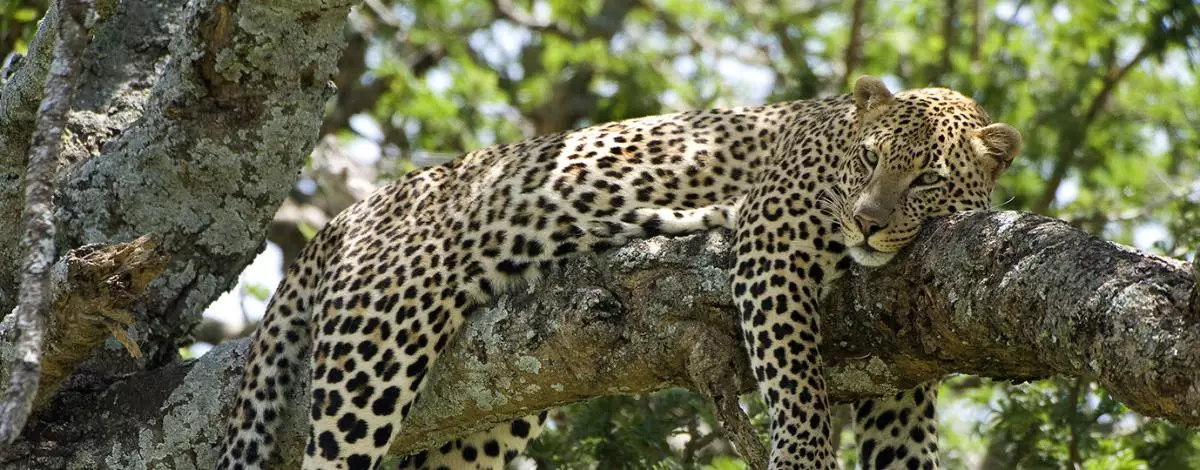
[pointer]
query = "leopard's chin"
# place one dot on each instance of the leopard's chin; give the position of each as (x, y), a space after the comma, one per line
(865, 255)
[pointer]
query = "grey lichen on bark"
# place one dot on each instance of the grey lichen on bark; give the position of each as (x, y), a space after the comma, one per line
(1004, 295)
(194, 123)
(227, 127)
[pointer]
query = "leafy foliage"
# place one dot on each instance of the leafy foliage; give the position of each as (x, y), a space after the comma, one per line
(18, 19)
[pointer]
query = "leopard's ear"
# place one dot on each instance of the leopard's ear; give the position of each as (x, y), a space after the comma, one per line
(871, 96)
(999, 143)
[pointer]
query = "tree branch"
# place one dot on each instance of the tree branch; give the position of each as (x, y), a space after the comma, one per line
(508, 11)
(1005, 295)
(1075, 139)
(99, 283)
(38, 241)
(854, 45)
(19, 99)
(949, 41)
(1012, 21)
(571, 97)
(92, 288)
(354, 96)
(978, 30)
(702, 41)
(1154, 43)
(1074, 422)
(340, 180)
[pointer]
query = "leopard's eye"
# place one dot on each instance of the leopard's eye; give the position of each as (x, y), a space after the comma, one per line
(928, 179)
(869, 158)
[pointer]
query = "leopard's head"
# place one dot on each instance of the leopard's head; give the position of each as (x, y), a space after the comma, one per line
(914, 155)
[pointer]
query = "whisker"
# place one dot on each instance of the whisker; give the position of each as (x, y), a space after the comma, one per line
(1005, 203)
(831, 203)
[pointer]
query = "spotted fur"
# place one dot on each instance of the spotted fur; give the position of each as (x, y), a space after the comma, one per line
(898, 431)
(810, 187)
(486, 450)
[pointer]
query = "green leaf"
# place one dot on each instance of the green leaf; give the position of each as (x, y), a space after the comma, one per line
(257, 291)
(25, 15)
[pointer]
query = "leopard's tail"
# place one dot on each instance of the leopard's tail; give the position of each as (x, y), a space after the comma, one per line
(279, 349)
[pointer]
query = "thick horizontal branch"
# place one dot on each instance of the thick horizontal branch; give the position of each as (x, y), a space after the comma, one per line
(1009, 295)
(1005, 295)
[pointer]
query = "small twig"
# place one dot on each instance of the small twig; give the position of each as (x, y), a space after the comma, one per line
(978, 31)
(509, 11)
(38, 241)
(949, 35)
(385, 14)
(697, 444)
(704, 42)
(740, 430)
(243, 291)
(1012, 20)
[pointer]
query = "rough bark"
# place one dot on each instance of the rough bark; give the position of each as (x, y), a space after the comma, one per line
(95, 285)
(19, 99)
(192, 122)
(1005, 295)
(37, 242)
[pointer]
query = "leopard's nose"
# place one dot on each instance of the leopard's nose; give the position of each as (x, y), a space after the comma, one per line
(868, 225)
(872, 215)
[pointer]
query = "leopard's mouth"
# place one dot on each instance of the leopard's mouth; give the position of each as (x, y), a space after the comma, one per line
(864, 246)
(866, 255)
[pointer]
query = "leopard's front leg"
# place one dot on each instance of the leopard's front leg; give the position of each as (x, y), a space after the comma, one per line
(776, 283)
(781, 329)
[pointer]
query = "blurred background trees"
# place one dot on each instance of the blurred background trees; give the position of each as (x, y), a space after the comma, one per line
(1105, 93)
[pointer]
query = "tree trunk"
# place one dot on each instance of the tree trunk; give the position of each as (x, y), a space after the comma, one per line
(1005, 295)
(191, 124)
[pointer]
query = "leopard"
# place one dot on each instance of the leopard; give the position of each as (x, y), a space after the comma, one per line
(809, 188)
